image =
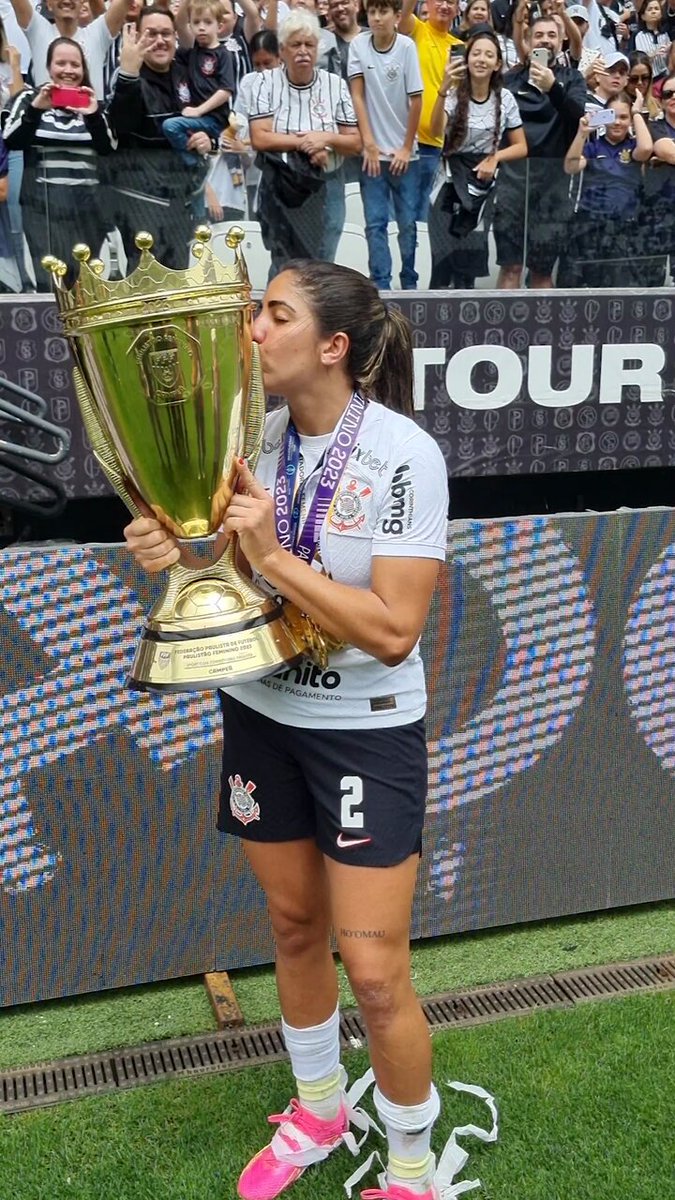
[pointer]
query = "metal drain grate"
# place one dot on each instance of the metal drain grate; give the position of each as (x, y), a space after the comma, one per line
(96, 1074)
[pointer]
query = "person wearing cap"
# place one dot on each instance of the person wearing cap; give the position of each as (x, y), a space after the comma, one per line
(532, 198)
(576, 13)
(607, 79)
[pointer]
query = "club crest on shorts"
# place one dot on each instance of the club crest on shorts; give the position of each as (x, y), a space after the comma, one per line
(242, 804)
(347, 512)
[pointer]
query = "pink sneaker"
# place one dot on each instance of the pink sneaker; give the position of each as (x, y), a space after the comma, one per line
(300, 1140)
(396, 1191)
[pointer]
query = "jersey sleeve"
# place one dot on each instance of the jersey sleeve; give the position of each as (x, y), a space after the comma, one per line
(344, 109)
(512, 117)
(412, 521)
(355, 61)
(413, 75)
(261, 98)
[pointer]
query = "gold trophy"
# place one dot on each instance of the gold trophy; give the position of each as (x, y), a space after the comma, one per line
(169, 386)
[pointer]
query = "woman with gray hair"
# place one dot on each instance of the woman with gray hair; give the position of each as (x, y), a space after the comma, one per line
(302, 125)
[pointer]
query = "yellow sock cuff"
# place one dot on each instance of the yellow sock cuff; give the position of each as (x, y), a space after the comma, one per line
(319, 1089)
(406, 1169)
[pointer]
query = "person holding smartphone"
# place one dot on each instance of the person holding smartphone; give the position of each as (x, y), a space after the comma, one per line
(605, 246)
(532, 205)
(62, 131)
(482, 128)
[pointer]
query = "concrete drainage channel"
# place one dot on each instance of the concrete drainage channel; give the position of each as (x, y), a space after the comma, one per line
(112, 1071)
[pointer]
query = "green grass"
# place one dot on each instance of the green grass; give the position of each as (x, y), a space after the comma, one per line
(585, 1098)
(37, 1033)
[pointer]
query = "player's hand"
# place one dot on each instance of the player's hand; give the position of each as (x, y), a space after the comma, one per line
(153, 547)
(250, 514)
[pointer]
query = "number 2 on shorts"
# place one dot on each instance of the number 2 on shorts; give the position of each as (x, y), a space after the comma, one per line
(351, 787)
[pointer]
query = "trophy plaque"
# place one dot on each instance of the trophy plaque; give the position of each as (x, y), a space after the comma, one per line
(169, 386)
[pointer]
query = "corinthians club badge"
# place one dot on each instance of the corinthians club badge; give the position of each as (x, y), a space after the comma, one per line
(348, 512)
(242, 804)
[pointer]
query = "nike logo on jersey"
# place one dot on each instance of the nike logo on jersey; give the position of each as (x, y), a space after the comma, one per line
(346, 843)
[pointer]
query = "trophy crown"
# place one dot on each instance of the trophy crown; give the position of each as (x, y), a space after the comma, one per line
(151, 288)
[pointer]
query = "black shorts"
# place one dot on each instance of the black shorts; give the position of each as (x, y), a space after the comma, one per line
(359, 793)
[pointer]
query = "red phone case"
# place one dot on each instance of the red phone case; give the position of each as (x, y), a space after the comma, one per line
(65, 97)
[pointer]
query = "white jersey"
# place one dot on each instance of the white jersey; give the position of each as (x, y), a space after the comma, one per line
(95, 40)
(390, 78)
(392, 501)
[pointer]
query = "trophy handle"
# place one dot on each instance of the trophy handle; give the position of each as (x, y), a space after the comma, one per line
(255, 413)
(103, 451)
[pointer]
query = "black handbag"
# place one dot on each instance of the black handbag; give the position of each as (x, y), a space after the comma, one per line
(292, 178)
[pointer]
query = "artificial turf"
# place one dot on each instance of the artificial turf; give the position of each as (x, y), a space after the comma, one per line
(585, 1098)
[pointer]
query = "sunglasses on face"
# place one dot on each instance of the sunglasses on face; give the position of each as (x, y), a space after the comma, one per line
(667, 95)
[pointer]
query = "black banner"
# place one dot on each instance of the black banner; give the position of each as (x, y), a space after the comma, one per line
(507, 383)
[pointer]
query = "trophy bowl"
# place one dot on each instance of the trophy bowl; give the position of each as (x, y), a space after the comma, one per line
(169, 386)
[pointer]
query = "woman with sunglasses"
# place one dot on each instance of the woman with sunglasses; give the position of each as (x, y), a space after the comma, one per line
(640, 78)
(659, 206)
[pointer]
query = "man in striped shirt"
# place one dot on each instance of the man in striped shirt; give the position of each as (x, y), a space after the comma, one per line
(300, 111)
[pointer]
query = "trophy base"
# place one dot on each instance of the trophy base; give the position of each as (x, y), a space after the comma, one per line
(205, 634)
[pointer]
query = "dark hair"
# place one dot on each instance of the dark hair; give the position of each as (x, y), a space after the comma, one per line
(458, 123)
(379, 359)
(264, 39)
(638, 58)
(641, 16)
(395, 5)
(66, 41)
(4, 46)
(154, 10)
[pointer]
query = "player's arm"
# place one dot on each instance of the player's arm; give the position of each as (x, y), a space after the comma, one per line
(384, 620)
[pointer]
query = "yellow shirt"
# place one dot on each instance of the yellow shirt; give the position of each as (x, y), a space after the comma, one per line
(432, 51)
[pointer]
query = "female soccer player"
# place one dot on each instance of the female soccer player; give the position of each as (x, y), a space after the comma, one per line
(335, 760)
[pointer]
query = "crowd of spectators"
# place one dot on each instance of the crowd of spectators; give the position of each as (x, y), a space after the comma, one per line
(541, 130)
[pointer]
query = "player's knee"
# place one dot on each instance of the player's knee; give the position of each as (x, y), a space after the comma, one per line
(378, 998)
(298, 932)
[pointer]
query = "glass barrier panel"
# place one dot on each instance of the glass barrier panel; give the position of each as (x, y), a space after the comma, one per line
(544, 222)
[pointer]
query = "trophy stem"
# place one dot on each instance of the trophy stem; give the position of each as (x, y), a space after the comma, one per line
(211, 628)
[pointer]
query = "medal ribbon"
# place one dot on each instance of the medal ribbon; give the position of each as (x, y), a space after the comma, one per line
(288, 498)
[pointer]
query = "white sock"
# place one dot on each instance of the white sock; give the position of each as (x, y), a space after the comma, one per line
(408, 1129)
(315, 1062)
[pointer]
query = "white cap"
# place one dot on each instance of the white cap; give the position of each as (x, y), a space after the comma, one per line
(577, 11)
(611, 60)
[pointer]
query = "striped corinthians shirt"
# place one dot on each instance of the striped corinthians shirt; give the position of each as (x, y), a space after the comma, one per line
(322, 104)
(62, 147)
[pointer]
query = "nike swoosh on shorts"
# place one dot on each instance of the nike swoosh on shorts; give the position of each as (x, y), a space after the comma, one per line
(346, 842)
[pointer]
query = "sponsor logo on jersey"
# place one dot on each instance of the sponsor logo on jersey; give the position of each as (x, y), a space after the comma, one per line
(366, 458)
(242, 804)
(307, 674)
(347, 512)
(403, 502)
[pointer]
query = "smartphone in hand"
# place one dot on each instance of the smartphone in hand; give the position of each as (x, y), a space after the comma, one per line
(599, 117)
(66, 97)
